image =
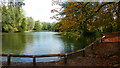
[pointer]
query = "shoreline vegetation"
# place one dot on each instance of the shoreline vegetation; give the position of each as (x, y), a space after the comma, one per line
(28, 31)
(106, 54)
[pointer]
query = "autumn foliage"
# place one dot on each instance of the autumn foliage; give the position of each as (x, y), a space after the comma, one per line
(86, 17)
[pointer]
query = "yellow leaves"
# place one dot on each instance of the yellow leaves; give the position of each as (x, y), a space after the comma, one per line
(57, 24)
(75, 22)
(60, 27)
(89, 20)
(70, 6)
(75, 4)
(95, 9)
(79, 5)
(89, 27)
(80, 15)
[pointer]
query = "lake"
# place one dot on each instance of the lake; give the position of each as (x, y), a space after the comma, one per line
(39, 43)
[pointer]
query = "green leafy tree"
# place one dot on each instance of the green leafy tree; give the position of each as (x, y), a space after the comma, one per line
(30, 24)
(38, 25)
(23, 26)
(12, 16)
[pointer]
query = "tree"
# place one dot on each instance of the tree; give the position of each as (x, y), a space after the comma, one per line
(12, 16)
(78, 17)
(38, 25)
(23, 26)
(30, 24)
(118, 17)
(105, 20)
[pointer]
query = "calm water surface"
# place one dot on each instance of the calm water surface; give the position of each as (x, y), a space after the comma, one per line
(39, 43)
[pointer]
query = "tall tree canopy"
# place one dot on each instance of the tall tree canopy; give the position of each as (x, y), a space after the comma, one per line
(86, 17)
(12, 16)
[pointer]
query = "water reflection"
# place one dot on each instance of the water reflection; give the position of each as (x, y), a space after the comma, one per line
(39, 43)
(44, 43)
(13, 43)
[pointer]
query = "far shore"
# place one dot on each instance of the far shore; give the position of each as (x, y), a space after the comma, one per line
(28, 31)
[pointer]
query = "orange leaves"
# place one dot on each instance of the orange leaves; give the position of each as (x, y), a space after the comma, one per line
(89, 27)
(67, 25)
(75, 14)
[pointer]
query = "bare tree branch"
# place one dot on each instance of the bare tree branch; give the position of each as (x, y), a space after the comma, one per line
(85, 5)
(98, 10)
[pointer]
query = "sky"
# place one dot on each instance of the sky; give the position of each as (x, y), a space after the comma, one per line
(39, 10)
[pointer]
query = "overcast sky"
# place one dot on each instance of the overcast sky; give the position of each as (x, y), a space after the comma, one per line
(39, 9)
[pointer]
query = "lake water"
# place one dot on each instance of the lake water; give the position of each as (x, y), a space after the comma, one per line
(39, 43)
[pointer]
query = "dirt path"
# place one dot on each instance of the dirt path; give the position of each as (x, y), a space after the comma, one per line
(105, 54)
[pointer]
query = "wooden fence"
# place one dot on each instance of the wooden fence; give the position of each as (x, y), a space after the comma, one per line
(53, 55)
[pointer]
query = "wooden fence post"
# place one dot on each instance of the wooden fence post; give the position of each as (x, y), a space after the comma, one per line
(65, 58)
(8, 59)
(97, 43)
(101, 40)
(34, 60)
(83, 53)
(92, 46)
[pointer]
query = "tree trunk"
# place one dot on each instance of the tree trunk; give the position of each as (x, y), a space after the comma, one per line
(118, 16)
